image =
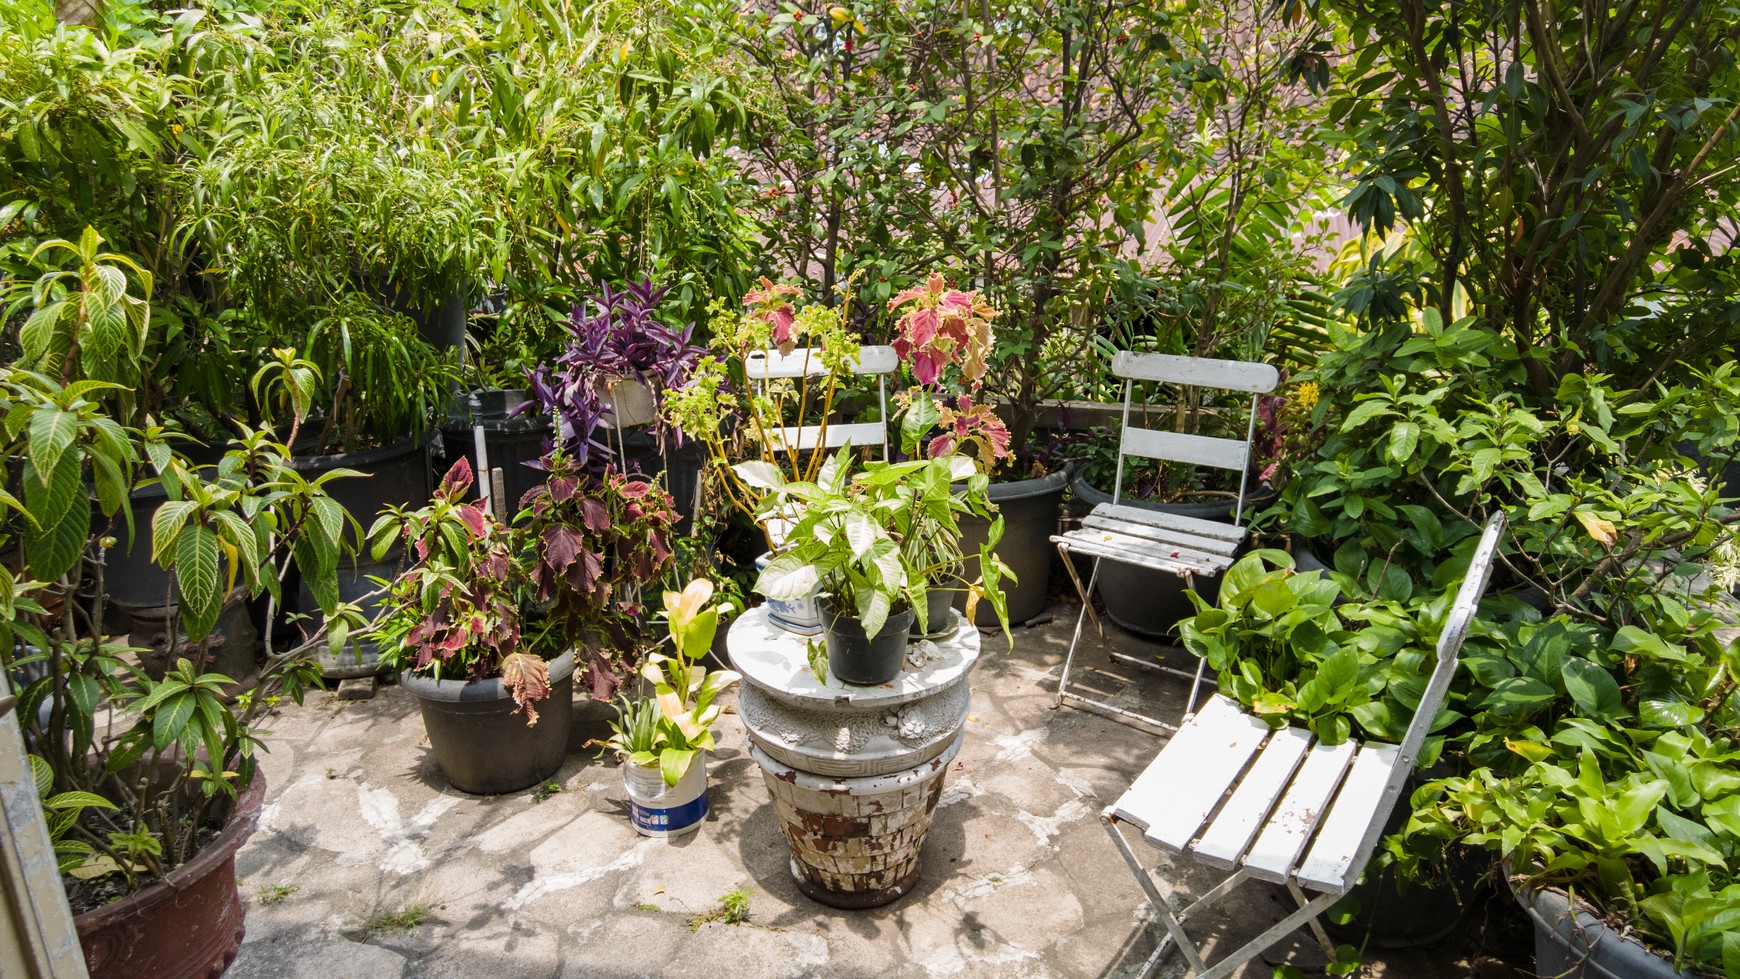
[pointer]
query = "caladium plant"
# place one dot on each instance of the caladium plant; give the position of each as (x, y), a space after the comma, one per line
(668, 729)
(457, 613)
(613, 338)
(595, 540)
(875, 540)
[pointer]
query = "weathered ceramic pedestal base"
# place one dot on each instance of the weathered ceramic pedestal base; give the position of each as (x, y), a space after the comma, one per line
(856, 842)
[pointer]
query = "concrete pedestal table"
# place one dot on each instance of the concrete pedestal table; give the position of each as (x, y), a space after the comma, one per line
(855, 772)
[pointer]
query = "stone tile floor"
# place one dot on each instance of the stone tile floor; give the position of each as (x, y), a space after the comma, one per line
(380, 870)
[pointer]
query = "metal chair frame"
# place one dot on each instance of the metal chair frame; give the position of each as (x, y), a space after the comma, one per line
(1144, 538)
(1279, 807)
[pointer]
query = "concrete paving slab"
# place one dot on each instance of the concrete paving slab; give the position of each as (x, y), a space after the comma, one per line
(397, 874)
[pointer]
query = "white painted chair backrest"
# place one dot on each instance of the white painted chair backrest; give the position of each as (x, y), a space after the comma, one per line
(769, 365)
(1199, 450)
(1449, 654)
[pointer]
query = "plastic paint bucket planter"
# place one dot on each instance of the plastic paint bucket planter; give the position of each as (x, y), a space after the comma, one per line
(661, 810)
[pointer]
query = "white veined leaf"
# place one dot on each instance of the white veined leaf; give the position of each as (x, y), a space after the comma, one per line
(861, 533)
(196, 570)
(787, 578)
(760, 474)
(165, 526)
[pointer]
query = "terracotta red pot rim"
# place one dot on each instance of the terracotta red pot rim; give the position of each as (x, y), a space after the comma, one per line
(244, 817)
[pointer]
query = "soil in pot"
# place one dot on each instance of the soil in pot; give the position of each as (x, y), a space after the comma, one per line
(482, 746)
(1029, 508)
(186, 926)
(860, 659)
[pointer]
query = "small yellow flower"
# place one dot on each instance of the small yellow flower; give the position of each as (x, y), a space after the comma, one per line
(175, 128)
(1307, 394)
(434, 76)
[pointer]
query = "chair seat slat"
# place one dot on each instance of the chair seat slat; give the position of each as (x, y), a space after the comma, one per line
(1230, 834)
(1326, 865)
(1212, 529)
(1160, 535)
(1128, 550)
(1272, 857)
(1170, 800)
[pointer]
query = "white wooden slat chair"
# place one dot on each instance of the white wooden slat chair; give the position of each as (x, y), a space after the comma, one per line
(1230, 793)
(1185, 546)
(764, 367)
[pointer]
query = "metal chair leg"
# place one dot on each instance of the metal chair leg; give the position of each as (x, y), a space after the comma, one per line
(1086, 605)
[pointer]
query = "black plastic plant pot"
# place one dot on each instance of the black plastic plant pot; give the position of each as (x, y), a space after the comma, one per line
(863, 660)
(939, 611)
(510, 443)
(1029, 509)
(396, 473)
(482, 746)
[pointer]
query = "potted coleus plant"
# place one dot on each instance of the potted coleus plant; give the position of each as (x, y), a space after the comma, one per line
(662, 739)
(457, 626)
(866, 541)
(595, 542)
(151, 785)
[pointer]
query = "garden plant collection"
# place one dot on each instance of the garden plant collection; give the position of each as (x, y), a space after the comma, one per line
(815, 307)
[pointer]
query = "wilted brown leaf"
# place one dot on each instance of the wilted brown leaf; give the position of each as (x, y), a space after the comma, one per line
(528, 678)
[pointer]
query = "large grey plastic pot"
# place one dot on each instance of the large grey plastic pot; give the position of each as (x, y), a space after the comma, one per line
(1029, 510)
(482, 746)
(1579, 946)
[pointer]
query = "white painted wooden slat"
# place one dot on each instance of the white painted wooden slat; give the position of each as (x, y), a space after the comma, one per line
(1126, 550)
(1227, 838)
(1325, 867)
(1231, 375)
(807, 361)
(804, 437)
(1159, 535)
(1191, 525)
(1184, 782)
(1198, 450)
(1272, 857)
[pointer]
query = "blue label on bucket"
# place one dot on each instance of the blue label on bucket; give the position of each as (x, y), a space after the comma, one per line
(669, 820)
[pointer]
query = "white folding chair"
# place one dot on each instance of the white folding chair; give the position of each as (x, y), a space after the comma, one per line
(1184, 546)
(1230, 793)
(765, 367)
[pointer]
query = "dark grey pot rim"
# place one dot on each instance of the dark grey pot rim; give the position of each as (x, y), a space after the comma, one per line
(830, 614)
(1585, 936)
(475, 691)
(1020, 489)
(1087, 492)
(363, 457)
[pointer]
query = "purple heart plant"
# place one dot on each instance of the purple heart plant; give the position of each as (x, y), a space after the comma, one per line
(615, 338)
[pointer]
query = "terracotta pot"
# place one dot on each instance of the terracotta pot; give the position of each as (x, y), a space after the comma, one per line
(187, 925)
